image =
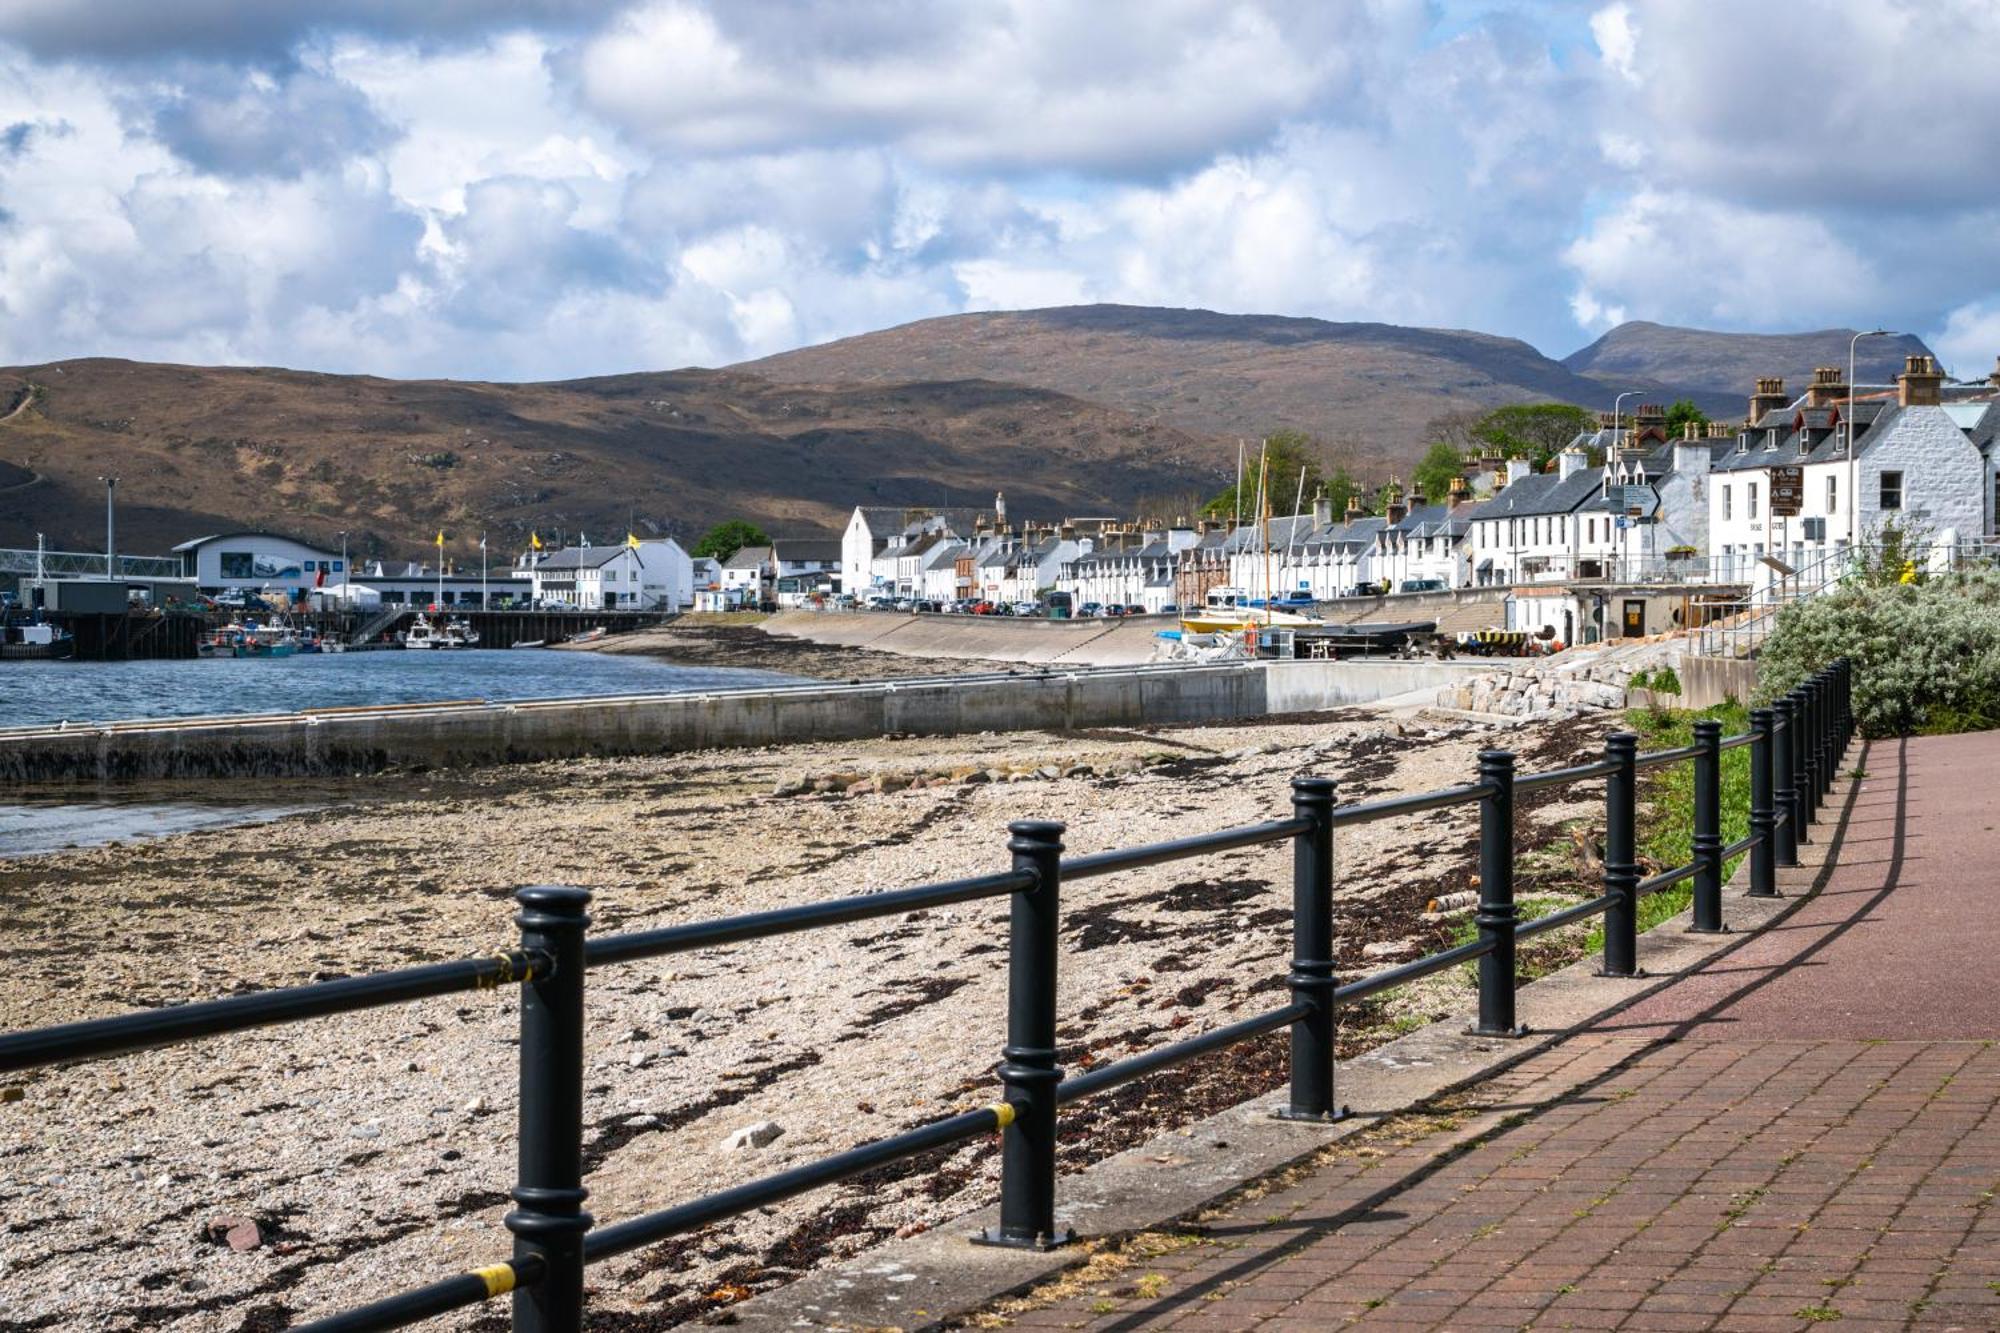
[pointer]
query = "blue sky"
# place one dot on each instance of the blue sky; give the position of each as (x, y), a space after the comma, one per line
(526, 189)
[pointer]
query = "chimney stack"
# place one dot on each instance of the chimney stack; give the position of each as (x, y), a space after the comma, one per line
(1829, 386)
(1459, 493)
(1322, 509)
(1770, 397)
(1517, 468)
(1994, 378)
(1719, 430)
(1569, 462)
(1354, 510)
(1921, 384)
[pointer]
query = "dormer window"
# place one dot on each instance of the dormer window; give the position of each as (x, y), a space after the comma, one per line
(1771, 438)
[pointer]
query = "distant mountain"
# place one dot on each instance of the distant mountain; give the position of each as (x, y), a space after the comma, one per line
(205, 450)
(1698, 363)
(1374, 386)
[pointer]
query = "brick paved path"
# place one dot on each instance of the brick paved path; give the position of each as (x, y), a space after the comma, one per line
(1807, 1130)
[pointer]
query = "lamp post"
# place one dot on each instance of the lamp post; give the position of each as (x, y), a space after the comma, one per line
(110, 527)
(1615, 403)
(1853, 455)
(1616, 443)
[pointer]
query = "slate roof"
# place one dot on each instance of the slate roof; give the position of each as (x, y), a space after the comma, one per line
(591, 557)
(823, 549)
(746, 557)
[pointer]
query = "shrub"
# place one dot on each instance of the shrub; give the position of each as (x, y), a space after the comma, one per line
(1926, 654)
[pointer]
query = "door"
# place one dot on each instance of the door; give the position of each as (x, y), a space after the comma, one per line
(1635, 618)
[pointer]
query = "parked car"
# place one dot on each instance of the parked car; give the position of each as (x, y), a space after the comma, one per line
(1091, 609)
(1423, 585)
(1027, 609)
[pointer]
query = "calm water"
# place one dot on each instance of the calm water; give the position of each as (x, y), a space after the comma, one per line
(32, 692)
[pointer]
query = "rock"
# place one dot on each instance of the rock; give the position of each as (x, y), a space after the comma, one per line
(978, 777)
(642, 1122)
(639, 1059)
(477, 1106)
(13, 1092)
(762, 1134)
(863, 787)
(364, 1131)
(1048, 771)
(243, 1237)
(891, 782)
(1387, 949)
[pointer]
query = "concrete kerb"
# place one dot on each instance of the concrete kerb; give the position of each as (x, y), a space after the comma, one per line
(921, 1282)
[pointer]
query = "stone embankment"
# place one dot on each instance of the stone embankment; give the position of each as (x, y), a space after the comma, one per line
(1579, 681)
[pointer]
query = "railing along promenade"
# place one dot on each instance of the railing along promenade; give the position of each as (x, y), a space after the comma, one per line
(1794, 748)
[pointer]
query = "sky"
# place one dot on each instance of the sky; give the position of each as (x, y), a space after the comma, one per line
(539, 189)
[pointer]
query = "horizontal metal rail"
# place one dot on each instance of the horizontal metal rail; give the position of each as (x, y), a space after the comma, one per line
(1415, 970)
(623, 1236)
(1742, 739)
(1557, 777)
(1542, 925)
(454, 1293)
(1666, 879)
(1369, 811)
(1741, 845)
(97, 1037)
(1661, 758)
(1166, 1057)
(1158, 853)
(638, 944)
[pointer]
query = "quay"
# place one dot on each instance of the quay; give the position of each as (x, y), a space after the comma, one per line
(364, 739)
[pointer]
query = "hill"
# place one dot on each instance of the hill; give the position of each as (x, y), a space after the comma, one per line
(1698, 363)
(204, 450)
(1370, 386)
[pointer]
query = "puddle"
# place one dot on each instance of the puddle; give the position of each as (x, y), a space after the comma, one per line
(37, 827)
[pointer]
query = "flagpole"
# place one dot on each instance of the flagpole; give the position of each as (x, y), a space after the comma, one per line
(484, 605)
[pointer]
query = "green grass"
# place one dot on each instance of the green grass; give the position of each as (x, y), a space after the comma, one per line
(1666, 796)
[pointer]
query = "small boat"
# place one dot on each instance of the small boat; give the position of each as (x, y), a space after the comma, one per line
(453, 633)
(530, 643)
(36, 641)
(458, 633)
(590, 635)
(1229, 609)
(423, 634)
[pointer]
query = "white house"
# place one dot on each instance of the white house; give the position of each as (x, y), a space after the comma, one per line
(1924, 457)
(745, 577)
(590, 578)
(874, 535)
(667, 579)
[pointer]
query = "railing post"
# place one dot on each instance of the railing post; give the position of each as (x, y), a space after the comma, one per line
(1496, 915)
(1801, 826)
(1830, 761)
(1763, 852)
(1708, 828)
(1782, 795)
(1028, 1063)
(548, 1220)
(1621, 855)
(1311, 979)
(1815, 741)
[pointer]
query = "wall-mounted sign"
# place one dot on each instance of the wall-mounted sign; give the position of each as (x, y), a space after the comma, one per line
(1788, 491)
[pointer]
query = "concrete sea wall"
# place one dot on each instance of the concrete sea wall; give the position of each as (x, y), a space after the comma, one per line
(362, 740)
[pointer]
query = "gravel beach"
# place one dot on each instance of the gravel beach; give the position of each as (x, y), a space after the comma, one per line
(372, 1152)
(734, 639)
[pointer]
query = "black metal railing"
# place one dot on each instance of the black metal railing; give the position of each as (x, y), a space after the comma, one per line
(1794, 746)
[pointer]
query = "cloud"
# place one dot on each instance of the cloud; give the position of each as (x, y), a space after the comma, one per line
(533, 188)
(259, 30)
(268, 126)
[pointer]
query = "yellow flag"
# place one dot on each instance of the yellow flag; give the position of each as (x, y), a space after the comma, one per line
(631, 541)
(440, 540)
(535, 540)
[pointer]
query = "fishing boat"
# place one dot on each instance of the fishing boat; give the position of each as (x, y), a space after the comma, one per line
(1229, 609)
(458, 633)
(36, 641)
(453, 633)
(267, 640)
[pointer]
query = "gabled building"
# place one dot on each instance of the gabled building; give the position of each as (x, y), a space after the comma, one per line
(590, 578)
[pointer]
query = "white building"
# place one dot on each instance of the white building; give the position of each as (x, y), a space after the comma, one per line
(1924, 458)
(590, 578)
(872, 540)
(666, 576)
(256, 561)
(746, 578)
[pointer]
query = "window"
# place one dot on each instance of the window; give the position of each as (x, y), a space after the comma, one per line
(311, 565)
(1833, 495)
(239, 565)
(1750, 501)
(1892, 490)
(1726, 514)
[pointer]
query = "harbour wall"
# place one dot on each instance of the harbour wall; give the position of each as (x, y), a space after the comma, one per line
(341, 741)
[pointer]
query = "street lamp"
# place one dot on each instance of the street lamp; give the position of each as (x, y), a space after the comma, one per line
(110, 527)
(1614, 414)
(1853, 456)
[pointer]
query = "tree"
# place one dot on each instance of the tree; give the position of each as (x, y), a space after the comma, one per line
(1285, 454)
(726, 539)
(1536, 431)
(1340, 487)
(1680, 414)
(1436, 471)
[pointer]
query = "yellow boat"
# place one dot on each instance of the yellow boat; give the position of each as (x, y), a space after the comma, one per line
(1227, 610)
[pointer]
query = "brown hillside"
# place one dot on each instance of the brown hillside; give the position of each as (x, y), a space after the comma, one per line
(205, 450)
(1372, 386)
(1700, 364)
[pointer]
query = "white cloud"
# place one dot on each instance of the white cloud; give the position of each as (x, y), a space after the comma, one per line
(1969, 342)
(1617, 40)
(543, 187)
